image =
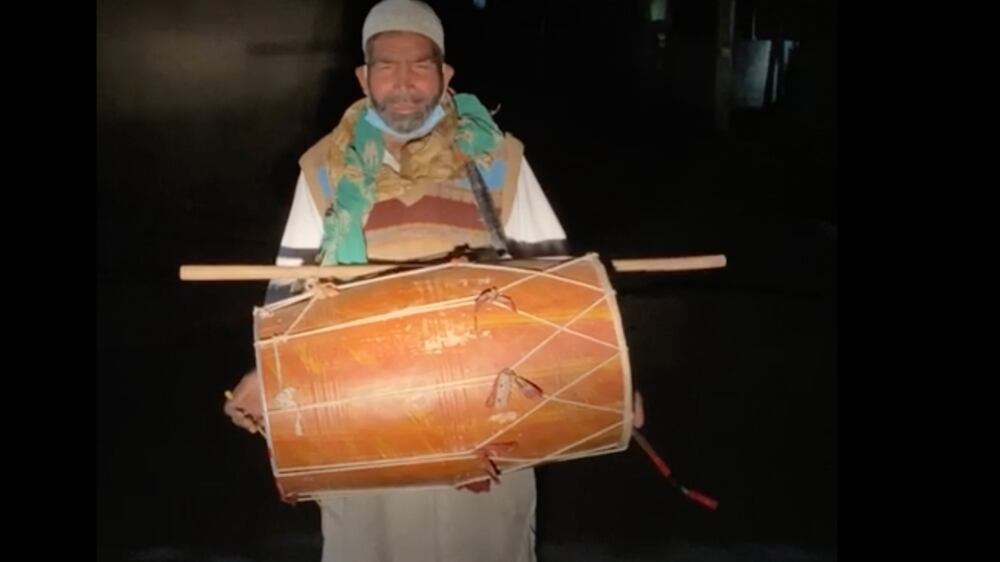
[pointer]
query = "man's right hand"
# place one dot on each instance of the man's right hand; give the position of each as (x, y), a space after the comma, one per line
(244, 408)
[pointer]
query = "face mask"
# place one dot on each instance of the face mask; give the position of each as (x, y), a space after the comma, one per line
(432, 121)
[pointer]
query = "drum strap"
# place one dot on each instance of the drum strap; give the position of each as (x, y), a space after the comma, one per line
(489, 213)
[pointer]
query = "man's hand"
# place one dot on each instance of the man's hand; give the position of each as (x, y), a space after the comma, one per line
(243, 405)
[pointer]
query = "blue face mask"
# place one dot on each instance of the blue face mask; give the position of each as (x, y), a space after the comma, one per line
(435, 117)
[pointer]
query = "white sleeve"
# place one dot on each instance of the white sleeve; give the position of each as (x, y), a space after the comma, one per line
(300, 241)
(303, 229)
(532, 218)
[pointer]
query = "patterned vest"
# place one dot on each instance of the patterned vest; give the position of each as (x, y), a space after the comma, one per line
(429, 219)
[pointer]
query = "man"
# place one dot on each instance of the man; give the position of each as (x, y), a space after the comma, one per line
(412, 172)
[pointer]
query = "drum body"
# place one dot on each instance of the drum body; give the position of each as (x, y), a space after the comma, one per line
(443, 376)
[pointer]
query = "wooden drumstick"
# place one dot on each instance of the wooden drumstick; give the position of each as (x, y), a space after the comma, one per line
(266, 272)
(671, 264)
(346, 272)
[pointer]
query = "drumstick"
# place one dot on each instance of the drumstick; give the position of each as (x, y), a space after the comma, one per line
(345, 272)
(257, 427)
(265, 272)
(671, 264)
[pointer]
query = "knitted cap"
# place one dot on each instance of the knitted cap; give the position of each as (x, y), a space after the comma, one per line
(403, 15)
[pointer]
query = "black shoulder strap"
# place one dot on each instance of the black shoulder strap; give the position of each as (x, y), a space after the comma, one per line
(489, 213)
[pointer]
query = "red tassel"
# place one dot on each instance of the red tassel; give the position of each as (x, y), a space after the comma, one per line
(702, 499)
(693, 495)
(660, 464)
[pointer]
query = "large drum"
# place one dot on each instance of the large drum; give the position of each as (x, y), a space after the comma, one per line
(443, 376)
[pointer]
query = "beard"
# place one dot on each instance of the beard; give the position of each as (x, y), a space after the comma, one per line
(405, 122)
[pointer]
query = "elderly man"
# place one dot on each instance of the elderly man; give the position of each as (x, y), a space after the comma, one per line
(413, 171)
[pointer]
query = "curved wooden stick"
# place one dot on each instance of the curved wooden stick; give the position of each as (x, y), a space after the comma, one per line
(345, 272)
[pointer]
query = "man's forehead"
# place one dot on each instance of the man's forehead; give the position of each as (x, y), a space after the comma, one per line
(401, 45)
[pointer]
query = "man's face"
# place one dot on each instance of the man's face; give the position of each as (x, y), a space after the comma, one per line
(403, 78)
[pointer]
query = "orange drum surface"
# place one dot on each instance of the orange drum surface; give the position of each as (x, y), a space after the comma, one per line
(443, 376)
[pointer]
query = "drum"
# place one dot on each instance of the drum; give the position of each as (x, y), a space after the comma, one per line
(443, 376)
